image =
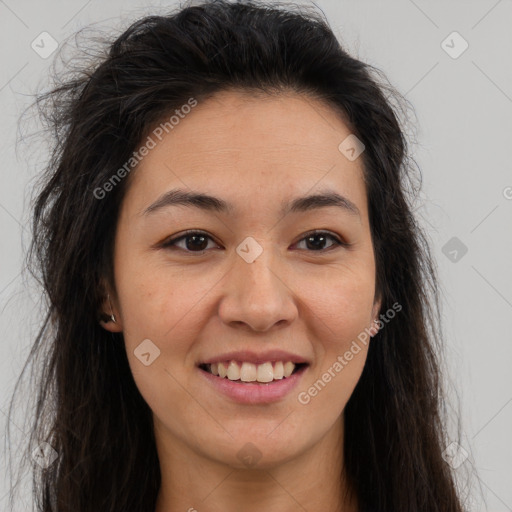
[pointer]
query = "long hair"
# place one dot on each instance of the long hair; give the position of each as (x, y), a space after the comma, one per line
(88, 408)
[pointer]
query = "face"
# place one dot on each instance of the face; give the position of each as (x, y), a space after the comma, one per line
(263, 280)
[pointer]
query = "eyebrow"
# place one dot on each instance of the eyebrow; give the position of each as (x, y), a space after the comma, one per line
(180, 197)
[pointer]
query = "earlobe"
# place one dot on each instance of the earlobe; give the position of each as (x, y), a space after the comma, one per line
(109, 319)
(110, 327)
(375, 327)
(377, 303)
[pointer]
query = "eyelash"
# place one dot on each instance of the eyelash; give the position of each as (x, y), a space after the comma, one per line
(172, 242)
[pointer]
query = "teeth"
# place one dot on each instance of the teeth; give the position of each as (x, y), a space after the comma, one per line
(278, 370)
(265, 372)
(233, 371)
(249, 372)
(288, 368)
(222, 370)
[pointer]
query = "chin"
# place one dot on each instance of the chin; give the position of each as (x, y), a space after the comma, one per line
(255, 452)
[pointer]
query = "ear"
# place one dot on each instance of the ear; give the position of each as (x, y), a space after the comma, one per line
(377, 303)
(376, 308)
(108, 309)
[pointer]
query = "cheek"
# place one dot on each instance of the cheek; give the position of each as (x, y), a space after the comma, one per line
(341, 312)
(158, 301)
(342, 305)
(159, 305)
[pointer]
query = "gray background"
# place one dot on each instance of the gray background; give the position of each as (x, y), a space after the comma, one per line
(464, 128)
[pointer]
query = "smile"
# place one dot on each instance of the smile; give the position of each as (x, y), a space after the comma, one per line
(250, 372)
(251, 383)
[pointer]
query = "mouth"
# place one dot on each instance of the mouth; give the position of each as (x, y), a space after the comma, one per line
(245, 372)
(250, 383)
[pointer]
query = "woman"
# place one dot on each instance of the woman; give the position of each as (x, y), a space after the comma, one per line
(240, 313)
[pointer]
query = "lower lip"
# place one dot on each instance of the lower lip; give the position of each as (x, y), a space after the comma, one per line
(254, 393)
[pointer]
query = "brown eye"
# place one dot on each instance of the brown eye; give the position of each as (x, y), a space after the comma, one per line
(194, 241)
(316, 241)
(197, 242)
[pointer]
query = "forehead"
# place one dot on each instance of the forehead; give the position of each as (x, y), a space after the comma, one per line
(258, 149)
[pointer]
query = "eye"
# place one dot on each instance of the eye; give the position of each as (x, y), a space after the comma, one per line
(317, 239)
(197, 241)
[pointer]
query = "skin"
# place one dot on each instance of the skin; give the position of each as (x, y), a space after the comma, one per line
(255, 152)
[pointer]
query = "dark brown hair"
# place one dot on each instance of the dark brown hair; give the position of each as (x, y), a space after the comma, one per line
(88, 407)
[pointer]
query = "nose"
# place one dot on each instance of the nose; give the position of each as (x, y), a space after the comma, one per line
(257, 296)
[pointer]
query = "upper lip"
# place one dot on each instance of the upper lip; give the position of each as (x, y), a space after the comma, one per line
(256, 357)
